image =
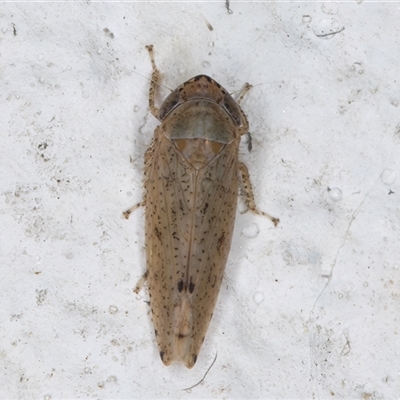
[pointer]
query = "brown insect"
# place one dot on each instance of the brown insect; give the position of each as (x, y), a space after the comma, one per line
(192, 178)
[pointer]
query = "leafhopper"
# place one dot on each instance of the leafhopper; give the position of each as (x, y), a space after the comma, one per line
(192, 179)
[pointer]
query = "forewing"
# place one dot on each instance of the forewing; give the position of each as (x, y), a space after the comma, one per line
(214, 218)
(161, 229)
(189, 223)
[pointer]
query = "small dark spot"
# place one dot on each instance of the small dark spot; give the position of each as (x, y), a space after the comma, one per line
(158, 234)
(227, 7)
(108, 33)
(175, 235)
(180, 286)
(220, 241)
(162, 355)
(14, 29)
(209, 26)
(155, 331)
(194, 356)
(181, 335)
(249, 142)
(191, 286)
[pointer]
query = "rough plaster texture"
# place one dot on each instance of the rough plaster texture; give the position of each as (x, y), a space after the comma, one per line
(309, 309)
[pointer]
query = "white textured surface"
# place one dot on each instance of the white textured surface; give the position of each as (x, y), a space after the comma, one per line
(309, 309)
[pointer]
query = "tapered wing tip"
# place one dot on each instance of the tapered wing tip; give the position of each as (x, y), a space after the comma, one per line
(188, 361)
(165, 358)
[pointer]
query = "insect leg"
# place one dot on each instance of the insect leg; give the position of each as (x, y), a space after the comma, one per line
(245, 128)
(156, 78)
(140, 283)
(147, 159)
(247, 192)
(128, 212)
(245, 90)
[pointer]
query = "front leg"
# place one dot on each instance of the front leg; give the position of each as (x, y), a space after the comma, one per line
(156, 78)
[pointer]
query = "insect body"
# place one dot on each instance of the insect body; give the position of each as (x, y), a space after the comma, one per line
(192, 180)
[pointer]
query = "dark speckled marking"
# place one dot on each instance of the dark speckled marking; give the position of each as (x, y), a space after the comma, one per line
(220, 241)
(191, 286)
